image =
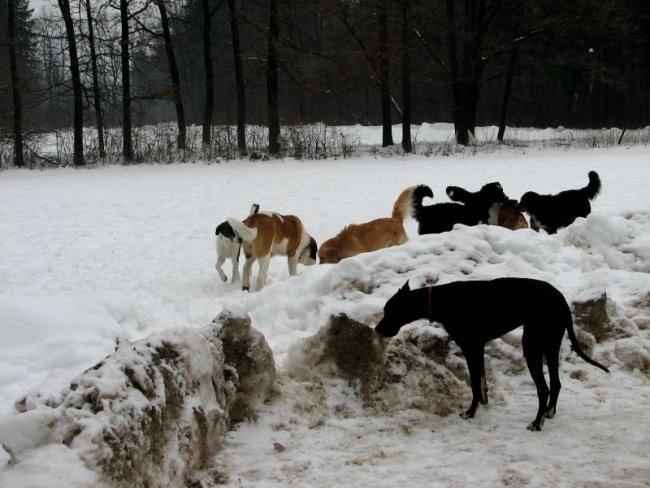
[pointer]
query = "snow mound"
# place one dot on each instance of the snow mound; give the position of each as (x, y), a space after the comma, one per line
(416, 370)
(153, 412)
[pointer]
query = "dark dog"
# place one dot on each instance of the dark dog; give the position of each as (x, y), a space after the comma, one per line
(441, 217)
(552, 212)
(229, 246)
(469, 313)
(502, 212)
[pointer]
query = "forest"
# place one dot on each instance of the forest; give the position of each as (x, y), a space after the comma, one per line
(101, 70)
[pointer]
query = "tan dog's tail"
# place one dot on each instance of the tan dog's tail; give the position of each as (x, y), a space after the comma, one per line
(242, 230)
(404, 204)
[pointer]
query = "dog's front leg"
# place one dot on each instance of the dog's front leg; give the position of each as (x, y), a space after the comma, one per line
(264, 269)
(293, 265)
(474, 358)
(484, 388)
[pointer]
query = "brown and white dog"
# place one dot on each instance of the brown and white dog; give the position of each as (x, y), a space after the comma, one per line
(268, 234)
(377, 234)
(506, 215)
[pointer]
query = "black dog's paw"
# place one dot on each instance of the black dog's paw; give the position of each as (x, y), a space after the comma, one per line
(550, 413)
(467, 415)
(535, 427)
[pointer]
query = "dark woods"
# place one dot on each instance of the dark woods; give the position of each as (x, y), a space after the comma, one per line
(125, 63)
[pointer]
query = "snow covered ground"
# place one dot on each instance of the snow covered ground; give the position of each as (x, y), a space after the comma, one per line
(90, 255)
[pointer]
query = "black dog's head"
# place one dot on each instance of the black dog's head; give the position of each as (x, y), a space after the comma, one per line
(528, 201)
(492, 193)
(397, 313)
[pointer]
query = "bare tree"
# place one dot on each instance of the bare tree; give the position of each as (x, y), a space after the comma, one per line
(272, 79)
(383, 69)
(19, 159)
(99, 116)
(208, 106)
(127, 141)
(239, 78)
(173, 72)
(407, 144)
(78, 147)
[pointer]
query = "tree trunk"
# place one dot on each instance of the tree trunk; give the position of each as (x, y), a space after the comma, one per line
(384, 77)
(19, 159)
(78, 147)
(96, 93)
(173, 72)
(239, 78)
(465, 65)
(208, 108)
(272, 80)
(407, 144)
(127, 144)
(506, 95)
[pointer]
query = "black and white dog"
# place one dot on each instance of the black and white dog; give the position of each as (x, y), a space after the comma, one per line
(229, 247)
(441, 217)
(552, 212)
(469, 312)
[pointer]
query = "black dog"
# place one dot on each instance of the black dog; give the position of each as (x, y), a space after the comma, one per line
(502, 212)
(441, 217)
(469, 312)
(552, 212)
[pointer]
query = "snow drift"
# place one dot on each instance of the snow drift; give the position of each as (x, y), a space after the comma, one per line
(153, 412)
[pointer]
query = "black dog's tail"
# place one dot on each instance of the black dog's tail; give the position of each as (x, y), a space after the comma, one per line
(576, 347)
(458, 194)
(419, 193)
(593, 188)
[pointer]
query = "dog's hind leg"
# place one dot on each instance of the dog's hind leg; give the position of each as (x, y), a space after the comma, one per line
(235, 269)
(247, 271)
(552, 361)
(534, 360)
(474, 358)
(220, 261)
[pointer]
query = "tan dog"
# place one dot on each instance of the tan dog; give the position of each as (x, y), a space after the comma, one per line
(268, 234)
(376, 234)
(506, 215)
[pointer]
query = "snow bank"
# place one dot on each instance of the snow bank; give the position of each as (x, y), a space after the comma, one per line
(150, 414)
(416, 370)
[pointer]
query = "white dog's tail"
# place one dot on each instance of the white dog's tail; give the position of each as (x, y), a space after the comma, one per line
(242, 230)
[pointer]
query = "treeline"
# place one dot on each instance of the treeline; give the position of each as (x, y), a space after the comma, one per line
(124, 63)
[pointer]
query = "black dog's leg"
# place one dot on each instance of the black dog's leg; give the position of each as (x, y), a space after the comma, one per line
(552, 361)
(534, 360)
(484, 388)
(474, 357)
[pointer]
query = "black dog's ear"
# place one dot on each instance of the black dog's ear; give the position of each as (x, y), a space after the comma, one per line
(405, 287)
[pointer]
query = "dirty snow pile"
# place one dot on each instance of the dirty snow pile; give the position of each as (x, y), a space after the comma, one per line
(90, 256)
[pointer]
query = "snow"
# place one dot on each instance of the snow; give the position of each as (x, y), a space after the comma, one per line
(92, 255)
